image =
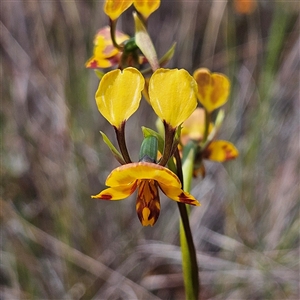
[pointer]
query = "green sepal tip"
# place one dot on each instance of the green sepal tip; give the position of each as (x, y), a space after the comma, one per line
(148, 151)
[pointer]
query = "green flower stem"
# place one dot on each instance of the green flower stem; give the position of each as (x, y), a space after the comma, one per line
(207, 123)
(120, 133)
(188, 252)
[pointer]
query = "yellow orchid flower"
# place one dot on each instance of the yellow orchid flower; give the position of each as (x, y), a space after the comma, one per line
(173, 95)
(146, 178)
(217, 150)
(213, 88)
(105, 55)
(119, 94)
(114, 8)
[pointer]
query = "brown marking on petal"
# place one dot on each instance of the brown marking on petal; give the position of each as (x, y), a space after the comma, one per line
(203, 80)
(134, 186)
(148, 203)
(92, 64)
(229, 154)
(187, 200)
(106, 197)
(215, 94)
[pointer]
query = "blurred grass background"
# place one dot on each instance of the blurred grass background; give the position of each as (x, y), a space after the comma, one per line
(57, 243)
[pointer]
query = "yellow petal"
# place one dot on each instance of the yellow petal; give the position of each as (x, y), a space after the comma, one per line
(193, 128)
(148, 204)
(105, 54)
(146, 7)
(128, 173)
(96, 63)
(103, 43)
(173, 95)
(114, 8)
(178, 195)
(220, 151)
(117, 193)
(119, 94)
(213, 88)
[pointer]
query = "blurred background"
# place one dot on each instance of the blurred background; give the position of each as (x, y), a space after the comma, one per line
(57, 243)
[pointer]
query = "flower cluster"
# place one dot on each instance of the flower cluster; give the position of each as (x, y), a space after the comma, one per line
(213, 92)
(118, 97)
(173, 95)
(113, 48)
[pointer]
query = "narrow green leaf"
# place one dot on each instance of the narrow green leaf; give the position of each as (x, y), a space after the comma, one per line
(167, 56)
(99, 73)
(113, 149)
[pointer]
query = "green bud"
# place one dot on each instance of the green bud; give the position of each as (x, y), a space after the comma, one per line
(130, 45)
(148, 151)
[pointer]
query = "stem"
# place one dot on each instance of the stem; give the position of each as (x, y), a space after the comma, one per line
(188, 252)
(120, 133)
(113, 25)
(207, 123)
(169, 139)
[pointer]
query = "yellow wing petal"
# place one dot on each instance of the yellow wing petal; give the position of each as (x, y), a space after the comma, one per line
(146, 7)
(193, 128)
(119, 94)
(220, 151)
(117, 193)
(213, 88)
(178, 195)
(114, 8)
(173, 95)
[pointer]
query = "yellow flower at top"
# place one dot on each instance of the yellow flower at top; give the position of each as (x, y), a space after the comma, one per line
(173, 95)
(146, 7)
(146, 178)
(114, 8)
(119, 94)
(105, 54)
(213, 89)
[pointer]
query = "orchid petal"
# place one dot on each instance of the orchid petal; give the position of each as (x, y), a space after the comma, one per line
(220, 151)
(114, 8)
(173, 95)
(178, 194)
(117, 192)
(105, 54)
(128, 173)
(119, 94)
(193, 128)
(213, 88)
(148, 204)
(146, 7)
